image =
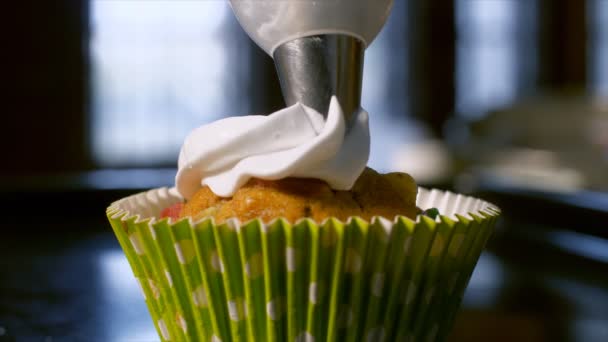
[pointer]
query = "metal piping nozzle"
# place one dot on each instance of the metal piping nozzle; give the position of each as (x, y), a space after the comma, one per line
(313, 69)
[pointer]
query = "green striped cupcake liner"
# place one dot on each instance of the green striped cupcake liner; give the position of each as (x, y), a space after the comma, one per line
(400, 280)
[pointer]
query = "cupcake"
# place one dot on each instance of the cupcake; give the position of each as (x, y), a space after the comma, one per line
(276, 230)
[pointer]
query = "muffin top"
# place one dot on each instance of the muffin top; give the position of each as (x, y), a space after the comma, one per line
(295, 163)
(373, 194)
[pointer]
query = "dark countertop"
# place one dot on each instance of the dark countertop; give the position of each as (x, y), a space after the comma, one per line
(67, 280)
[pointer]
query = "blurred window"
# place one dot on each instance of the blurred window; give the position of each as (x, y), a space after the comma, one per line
(385, 92)
(495, 53)
(159, 69)
(598, 77)
(385, 76)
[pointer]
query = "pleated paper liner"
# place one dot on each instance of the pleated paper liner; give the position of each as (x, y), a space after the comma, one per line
(338, 281)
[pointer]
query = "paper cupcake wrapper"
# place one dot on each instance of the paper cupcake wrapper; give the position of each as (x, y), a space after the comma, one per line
(336, 281)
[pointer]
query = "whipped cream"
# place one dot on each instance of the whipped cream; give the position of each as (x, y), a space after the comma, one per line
(294, 142)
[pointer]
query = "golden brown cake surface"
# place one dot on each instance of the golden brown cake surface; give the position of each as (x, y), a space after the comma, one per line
(373, 194)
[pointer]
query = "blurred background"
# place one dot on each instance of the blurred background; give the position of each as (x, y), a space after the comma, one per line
(502, 99)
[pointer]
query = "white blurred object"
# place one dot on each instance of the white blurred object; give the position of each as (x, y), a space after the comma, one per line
(428, 161)
(271, 23)
(533, 169)
(556, 142)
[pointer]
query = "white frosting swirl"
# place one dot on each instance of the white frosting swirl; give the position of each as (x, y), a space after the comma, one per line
(293, 142)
